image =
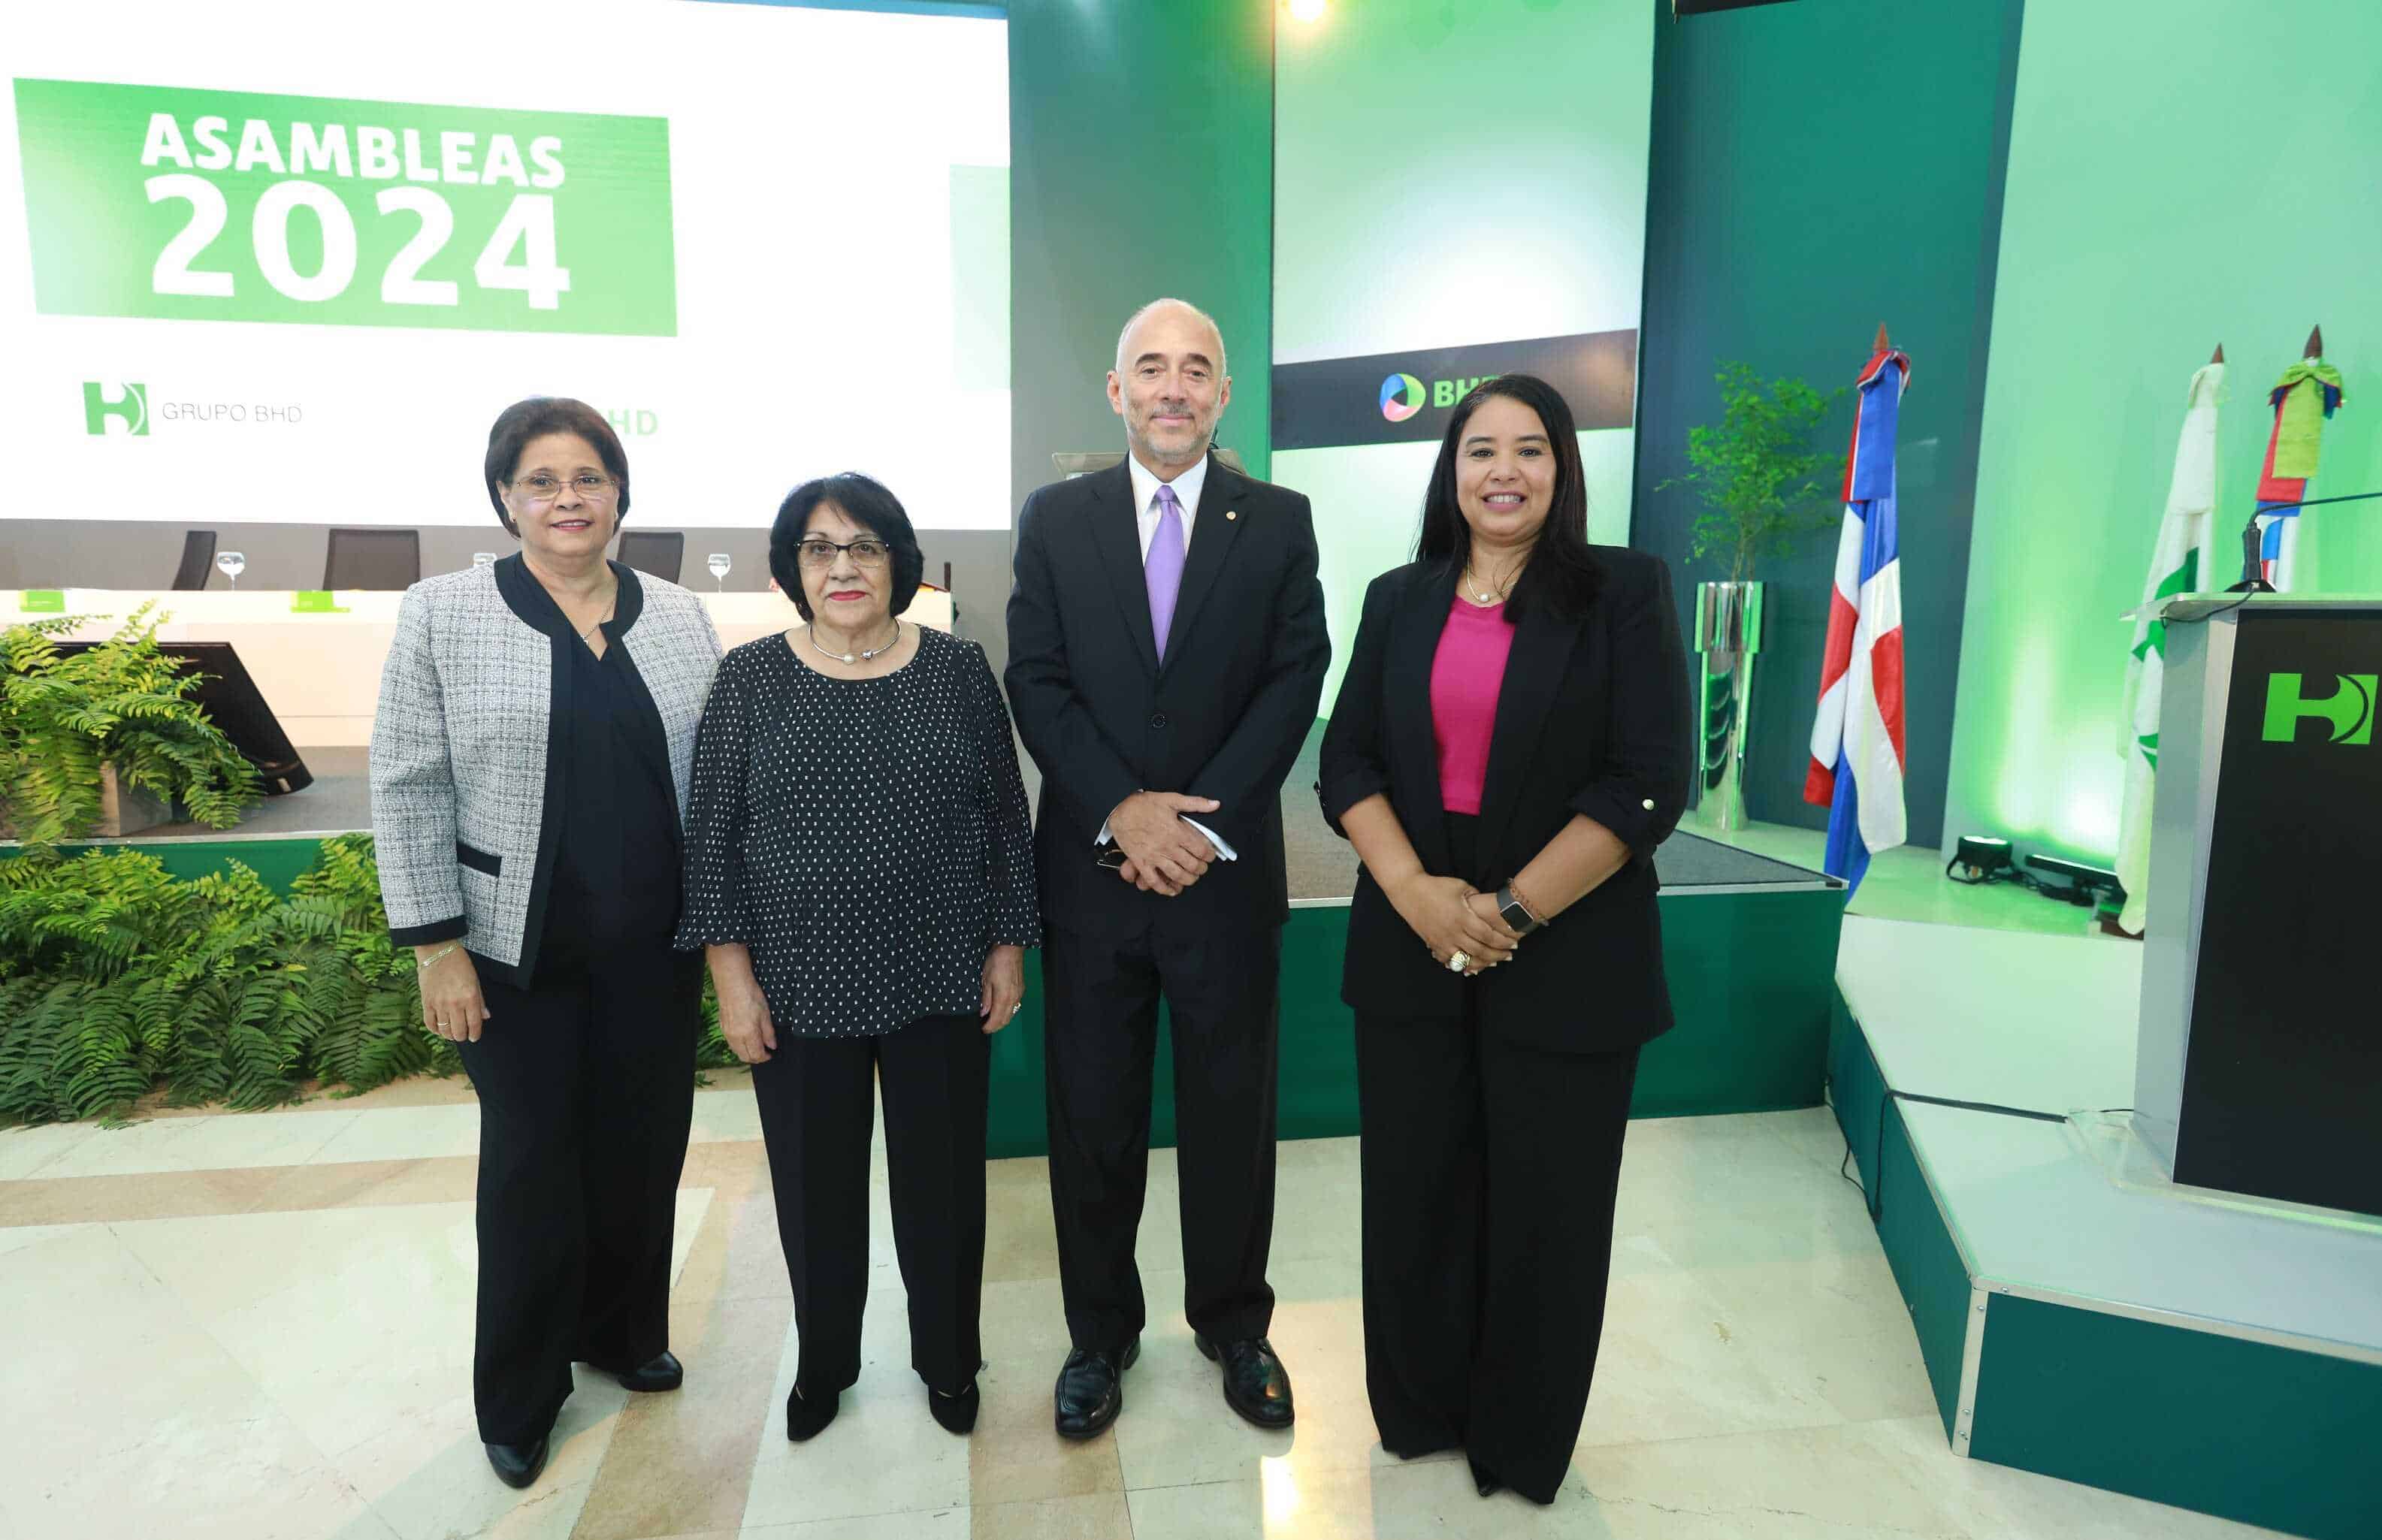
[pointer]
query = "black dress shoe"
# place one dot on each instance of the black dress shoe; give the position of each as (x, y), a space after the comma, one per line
(956, 1413)
(1256, 1385)
(1091, 1389)
(665, 1372)
(806, 1417)
(518, 1464)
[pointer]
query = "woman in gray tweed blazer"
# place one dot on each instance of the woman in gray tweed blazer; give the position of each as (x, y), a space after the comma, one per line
(529, 763)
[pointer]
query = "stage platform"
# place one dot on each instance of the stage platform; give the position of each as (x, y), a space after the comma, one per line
(1746, 935)
(2080, 1316)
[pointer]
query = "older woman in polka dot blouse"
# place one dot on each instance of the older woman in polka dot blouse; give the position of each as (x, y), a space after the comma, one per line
(860, 870)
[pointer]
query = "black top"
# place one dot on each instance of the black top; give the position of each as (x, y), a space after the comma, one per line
(866, 838)
(609, 852)
(1593, 721)
(616, 872)
(1222, 716)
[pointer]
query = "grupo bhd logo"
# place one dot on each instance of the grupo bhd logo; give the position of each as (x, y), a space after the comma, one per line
(2348, 710)
(1401, 396)
(130, 408)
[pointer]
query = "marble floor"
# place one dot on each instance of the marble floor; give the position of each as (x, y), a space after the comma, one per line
(259, 1326)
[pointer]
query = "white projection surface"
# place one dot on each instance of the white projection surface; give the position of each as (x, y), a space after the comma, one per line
(282, 262)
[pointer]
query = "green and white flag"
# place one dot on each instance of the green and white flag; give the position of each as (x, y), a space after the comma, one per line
(2175, 566)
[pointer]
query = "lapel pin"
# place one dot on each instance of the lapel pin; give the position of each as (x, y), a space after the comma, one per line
(1232, 513)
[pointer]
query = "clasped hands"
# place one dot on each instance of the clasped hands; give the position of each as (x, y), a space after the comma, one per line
(1452, 916)
(1162, 854)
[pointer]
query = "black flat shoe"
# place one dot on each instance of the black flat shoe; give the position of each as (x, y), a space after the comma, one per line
(1485, 1481)
(956, 1413)
(1256, 1385)
(665, 1372)
(518, 1464)
(805, 1418)
(1090, 1391)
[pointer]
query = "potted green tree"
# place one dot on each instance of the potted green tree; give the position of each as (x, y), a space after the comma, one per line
(105, 741)
(1758, 479)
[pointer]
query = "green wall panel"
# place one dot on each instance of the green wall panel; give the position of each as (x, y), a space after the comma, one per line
(2260, 1433)
(1395, 229)
(1141, 164)
(1817, 168)
(2212, 183)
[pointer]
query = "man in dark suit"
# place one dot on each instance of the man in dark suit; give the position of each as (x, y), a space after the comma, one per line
(1167, 652)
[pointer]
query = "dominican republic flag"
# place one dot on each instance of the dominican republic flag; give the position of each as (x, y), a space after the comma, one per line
(1856, 769)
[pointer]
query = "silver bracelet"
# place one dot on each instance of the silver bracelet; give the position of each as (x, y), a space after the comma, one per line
(424, 966)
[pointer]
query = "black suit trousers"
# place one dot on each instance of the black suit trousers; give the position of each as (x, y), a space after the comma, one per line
(1490, 1171)
(1100, 1041)
(586, 1087)
(817, 1098)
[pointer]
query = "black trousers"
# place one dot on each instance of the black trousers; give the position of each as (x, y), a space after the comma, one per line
(586, 1087)
(1100, 1026)
(817, 1098)
(1490, 1173)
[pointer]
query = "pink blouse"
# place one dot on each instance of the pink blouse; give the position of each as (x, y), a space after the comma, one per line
(1465, 675)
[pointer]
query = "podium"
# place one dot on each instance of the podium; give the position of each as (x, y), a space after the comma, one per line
(2259, 1068)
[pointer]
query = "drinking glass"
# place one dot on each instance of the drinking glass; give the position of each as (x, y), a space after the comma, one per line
(231, 564)
(719, 563)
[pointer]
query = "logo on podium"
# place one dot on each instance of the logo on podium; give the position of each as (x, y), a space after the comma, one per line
(2349, 710)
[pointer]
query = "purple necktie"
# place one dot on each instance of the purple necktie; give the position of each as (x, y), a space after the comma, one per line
(1162, 568)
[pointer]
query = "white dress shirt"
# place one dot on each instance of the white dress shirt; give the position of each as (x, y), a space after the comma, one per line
(1187, 488)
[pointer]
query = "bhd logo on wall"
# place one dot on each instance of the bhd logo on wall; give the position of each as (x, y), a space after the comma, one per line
(1405, 396)
(130, 407)
(1401, 396)
(2349, 710)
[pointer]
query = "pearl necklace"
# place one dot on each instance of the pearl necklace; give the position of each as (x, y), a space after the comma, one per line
(1484, 595)
(855, 657)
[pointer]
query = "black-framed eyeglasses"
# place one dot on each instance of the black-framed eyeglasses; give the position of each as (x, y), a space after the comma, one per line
(867, 551)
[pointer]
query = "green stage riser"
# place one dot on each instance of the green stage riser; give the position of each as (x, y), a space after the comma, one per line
(1749, 992)
(2245, 1430)
(1918, 1247)
(278, 862)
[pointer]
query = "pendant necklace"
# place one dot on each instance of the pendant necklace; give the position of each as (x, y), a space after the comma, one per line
(856, 657)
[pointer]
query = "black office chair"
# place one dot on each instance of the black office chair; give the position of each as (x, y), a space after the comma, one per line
(198, 555)
(656, 553)
(381, 559)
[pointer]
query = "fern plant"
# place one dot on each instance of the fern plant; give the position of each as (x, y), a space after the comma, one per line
(124, 703)
(117, 978)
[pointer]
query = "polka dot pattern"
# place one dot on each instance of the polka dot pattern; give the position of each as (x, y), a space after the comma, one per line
(866, 838)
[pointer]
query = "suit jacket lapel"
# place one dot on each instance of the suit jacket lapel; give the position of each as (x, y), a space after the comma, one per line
(1413, 743)
(1212, 542)
(1542, 646)
(1116, 532)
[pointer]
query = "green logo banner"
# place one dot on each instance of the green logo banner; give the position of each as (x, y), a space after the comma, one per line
(315, 601)
(42, 601)
(2348, 710)
(163, 202)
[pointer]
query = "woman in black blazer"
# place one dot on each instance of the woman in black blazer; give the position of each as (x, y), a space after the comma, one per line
(1510, 744)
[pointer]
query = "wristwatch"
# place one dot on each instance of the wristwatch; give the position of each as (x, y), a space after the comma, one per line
(1514, 915)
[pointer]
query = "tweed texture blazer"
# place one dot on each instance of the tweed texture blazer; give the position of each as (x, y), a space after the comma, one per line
(467, 776)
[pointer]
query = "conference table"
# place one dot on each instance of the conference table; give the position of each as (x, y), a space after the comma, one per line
(320, 669)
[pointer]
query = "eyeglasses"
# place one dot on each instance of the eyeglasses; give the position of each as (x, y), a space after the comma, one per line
(543, 488)
(865, 552)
